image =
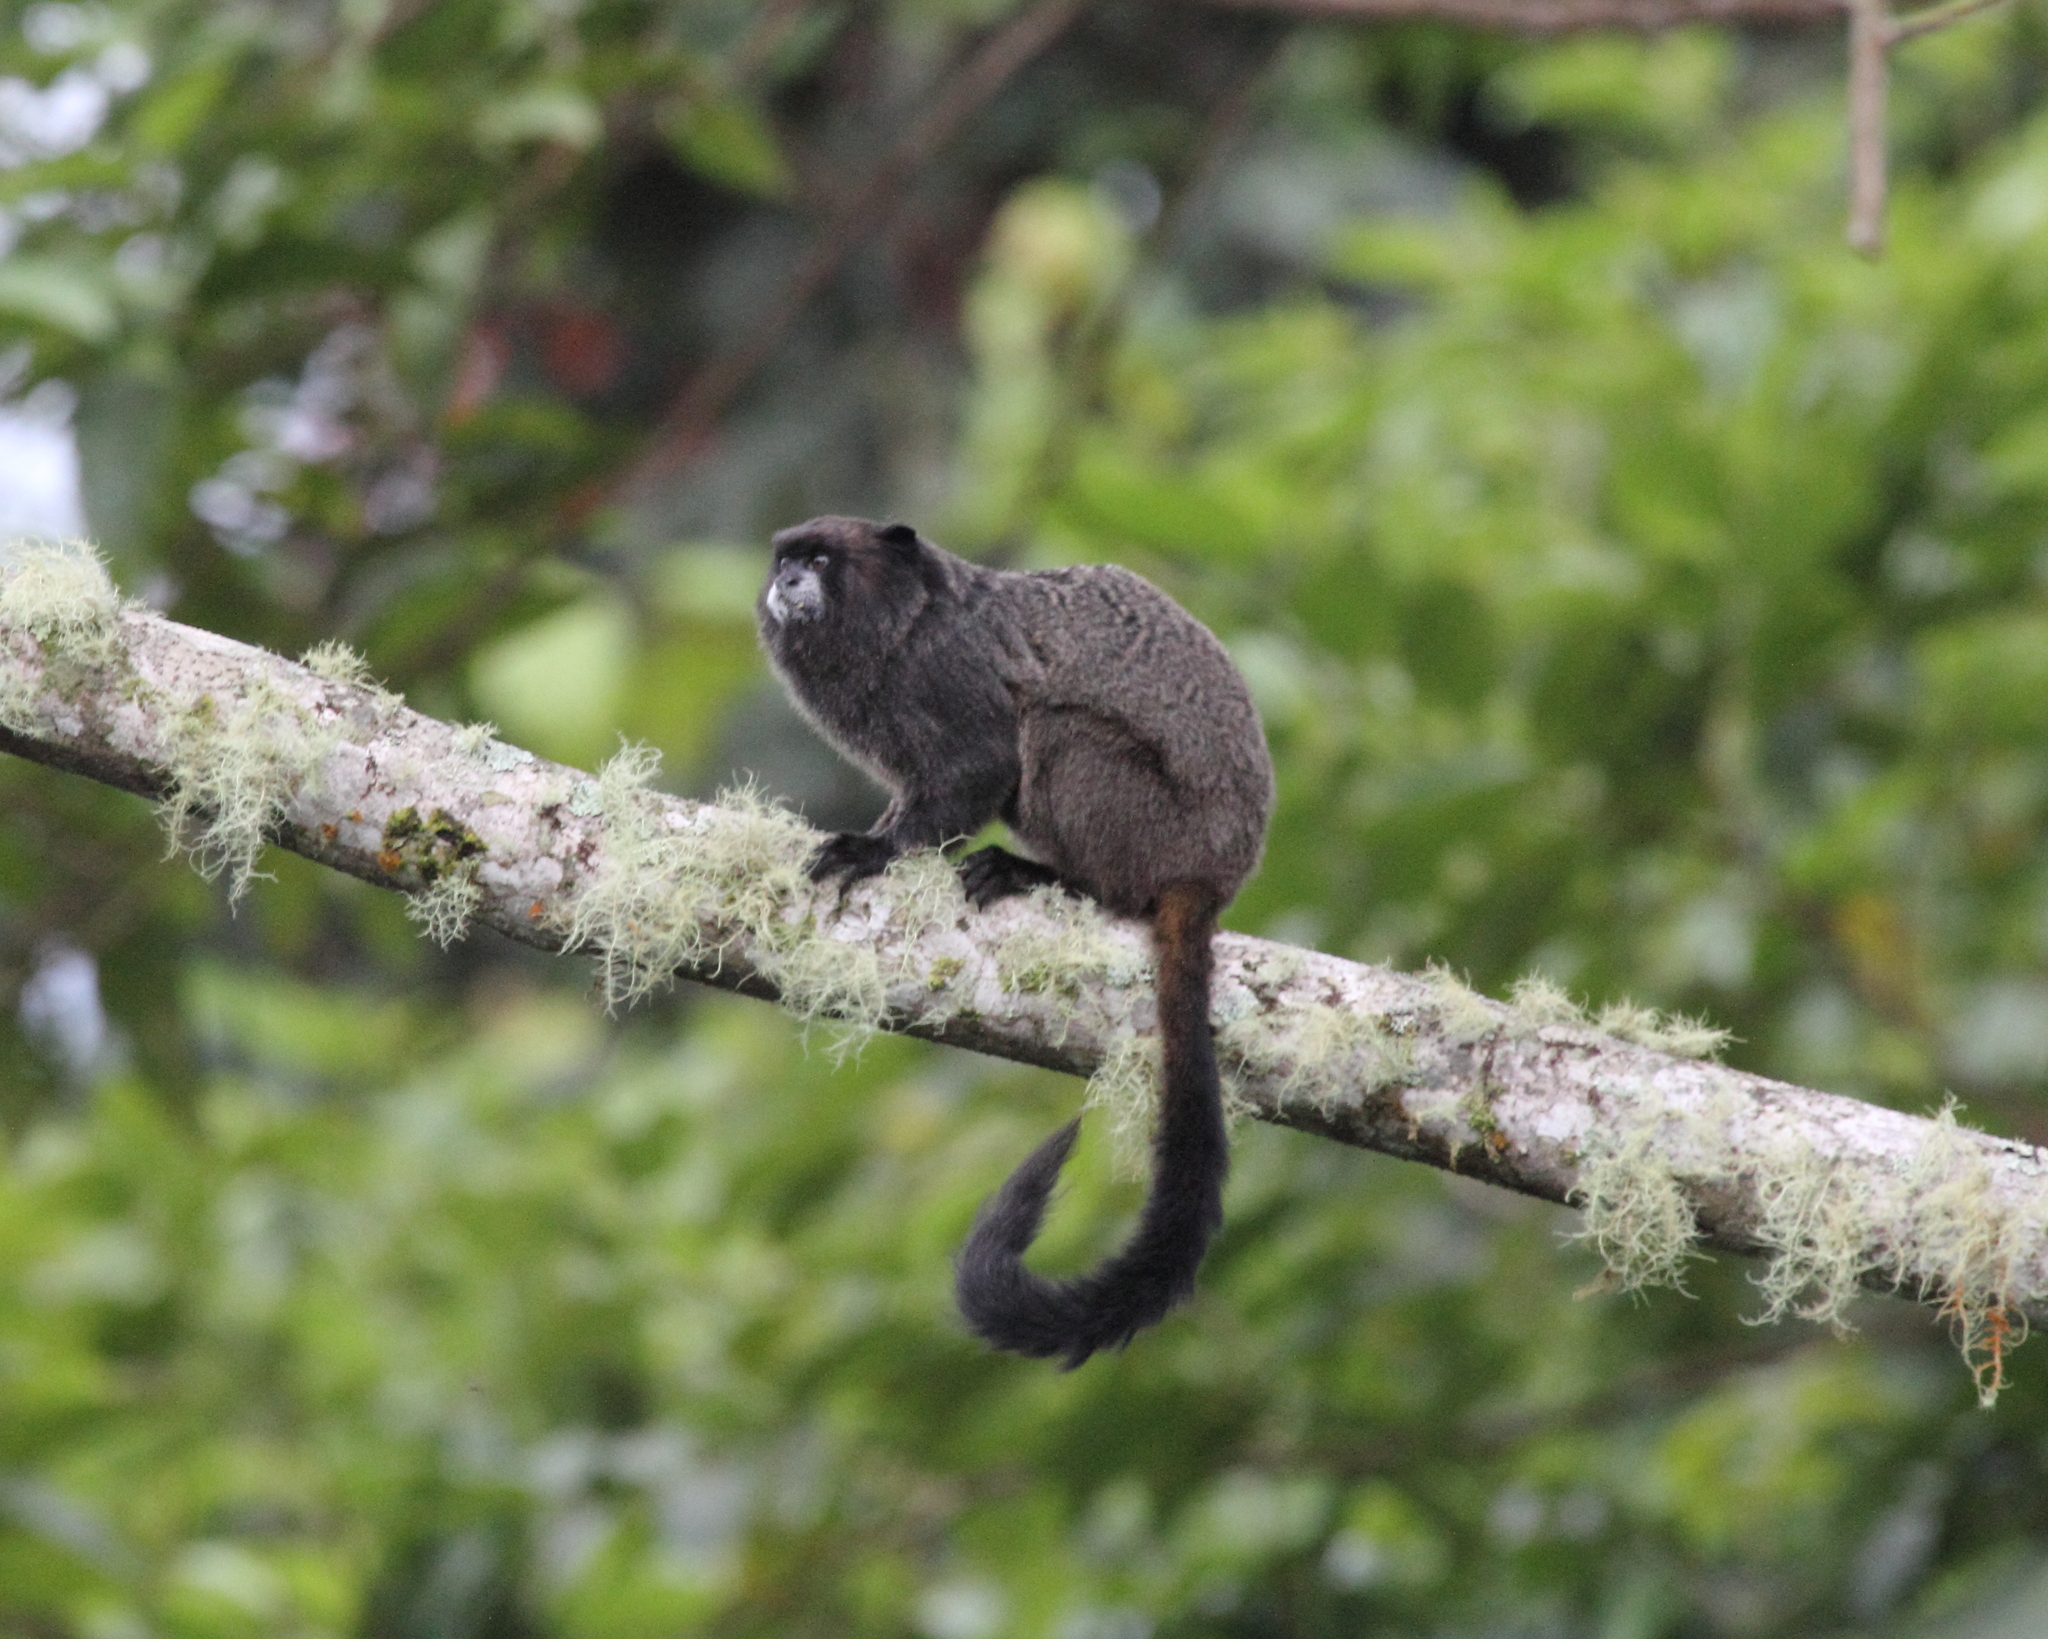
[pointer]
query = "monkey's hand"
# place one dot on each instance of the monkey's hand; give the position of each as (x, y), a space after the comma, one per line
(849, 856)
(992, 873)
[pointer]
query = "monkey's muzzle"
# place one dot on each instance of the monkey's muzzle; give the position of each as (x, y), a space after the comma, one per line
(795, 593)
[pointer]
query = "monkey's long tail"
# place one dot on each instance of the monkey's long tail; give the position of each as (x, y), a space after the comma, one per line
(1013, 1308)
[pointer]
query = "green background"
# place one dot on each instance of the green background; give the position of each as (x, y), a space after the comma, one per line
(1639, 589)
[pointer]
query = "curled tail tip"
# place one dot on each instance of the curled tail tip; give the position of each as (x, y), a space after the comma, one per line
(1010, 1308)
(990, 1283)
(1055, 1150)
(1010, 1218)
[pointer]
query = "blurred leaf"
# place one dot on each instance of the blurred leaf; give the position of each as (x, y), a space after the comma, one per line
(555, 685)
(726, 139)
(541, 113)
(67, 295)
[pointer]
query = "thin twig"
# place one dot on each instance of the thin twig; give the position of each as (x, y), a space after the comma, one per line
(1555, 16)
(764, 37)
(1869, 34)
(1934, 17)
(696, 409)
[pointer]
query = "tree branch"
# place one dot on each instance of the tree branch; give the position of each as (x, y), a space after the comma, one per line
(1935, 17)
(1555, 16)
(1870, 33)
(1663, 1150)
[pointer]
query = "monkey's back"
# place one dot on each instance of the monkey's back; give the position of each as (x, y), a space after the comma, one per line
(1143, 759)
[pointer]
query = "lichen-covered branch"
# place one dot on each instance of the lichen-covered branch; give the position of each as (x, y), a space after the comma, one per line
(1618, 1114)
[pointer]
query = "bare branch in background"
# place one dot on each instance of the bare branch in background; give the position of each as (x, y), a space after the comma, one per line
(1935, 17)
(774, 24)
(1869, 38)
(694, 412)
(1873, 31)
(1554, 16)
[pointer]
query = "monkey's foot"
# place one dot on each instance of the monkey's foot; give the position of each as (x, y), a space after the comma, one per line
(989, 874)
(850, 856)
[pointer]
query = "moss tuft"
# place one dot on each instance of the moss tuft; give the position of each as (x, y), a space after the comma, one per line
(338, 663)
(234, 765)
(59, 590)
(1936, 1227)
(1539, 1002)
(1331, 1057)
(1463, 1014)
(1639, 1217)
(1065, 948)
(1677, 1034)
(1125, 1087)
(59, 593)
(673, 891)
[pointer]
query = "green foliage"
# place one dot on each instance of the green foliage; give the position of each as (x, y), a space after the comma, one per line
(633, 1339)
(1642, 594)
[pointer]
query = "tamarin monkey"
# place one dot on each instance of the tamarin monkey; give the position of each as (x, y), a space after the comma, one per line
(1108, 729)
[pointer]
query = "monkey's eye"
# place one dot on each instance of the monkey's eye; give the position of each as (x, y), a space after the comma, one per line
(820, 561)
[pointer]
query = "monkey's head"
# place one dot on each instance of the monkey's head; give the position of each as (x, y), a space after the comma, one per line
(843, 580)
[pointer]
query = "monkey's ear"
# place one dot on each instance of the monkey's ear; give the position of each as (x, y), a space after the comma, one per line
(901, 536)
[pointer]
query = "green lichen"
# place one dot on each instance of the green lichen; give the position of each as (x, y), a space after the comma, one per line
(1675, 1033)
(444, 908)
(1270, 968)
(59, 591)
(436, 859)
(1125, 1087)
(1638, 1215)
(1538, 1003)
(472, 738)
(1065, 949)
(234, 764)
(1934, 1225)
(1463, 1015)
(1331, 1058)
(336, 662)
(924, 893)
(675, 890)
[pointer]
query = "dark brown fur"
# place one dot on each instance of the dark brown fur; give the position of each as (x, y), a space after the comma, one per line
(1108, 728)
